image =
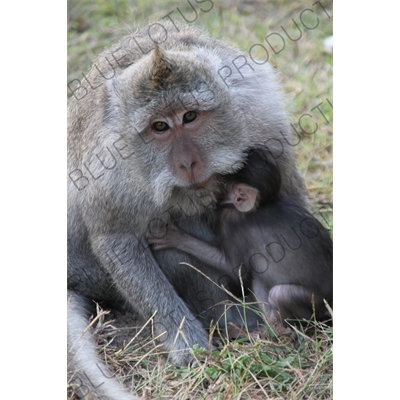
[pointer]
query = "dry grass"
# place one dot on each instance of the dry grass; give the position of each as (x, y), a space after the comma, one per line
(257, 366)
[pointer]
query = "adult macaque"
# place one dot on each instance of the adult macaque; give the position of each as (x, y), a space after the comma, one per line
(152, 128)
(286, 253)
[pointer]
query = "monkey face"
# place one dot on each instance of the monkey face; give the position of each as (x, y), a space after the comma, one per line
(193, 150)
(186, 138)
(181, 134)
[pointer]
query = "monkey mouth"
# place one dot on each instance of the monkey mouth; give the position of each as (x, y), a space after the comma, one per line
(201, 185)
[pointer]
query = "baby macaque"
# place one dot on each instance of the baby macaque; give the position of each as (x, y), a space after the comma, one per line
(285, 253)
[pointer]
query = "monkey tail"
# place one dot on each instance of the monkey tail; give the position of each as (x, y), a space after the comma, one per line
(89, 376)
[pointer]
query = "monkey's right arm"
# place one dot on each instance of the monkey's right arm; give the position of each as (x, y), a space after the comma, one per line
(173, 237)
(141, 282)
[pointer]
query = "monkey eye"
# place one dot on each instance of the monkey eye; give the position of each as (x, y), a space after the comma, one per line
(189, 117)
(160, 126)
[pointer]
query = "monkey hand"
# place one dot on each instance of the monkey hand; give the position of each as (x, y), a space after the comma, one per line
(166, 237)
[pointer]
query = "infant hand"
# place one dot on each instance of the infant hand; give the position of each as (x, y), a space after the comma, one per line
(165, 237)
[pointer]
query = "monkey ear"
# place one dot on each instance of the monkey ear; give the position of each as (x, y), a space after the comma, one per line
(245, 197)
(161, 67)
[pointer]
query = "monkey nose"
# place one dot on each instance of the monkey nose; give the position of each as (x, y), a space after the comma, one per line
(192, 173)
(188, 167)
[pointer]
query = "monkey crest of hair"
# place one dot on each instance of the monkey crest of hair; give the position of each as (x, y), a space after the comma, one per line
(153, 127)
(162, 70)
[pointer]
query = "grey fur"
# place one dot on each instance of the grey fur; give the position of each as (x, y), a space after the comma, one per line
(93, 374)
(120, 183)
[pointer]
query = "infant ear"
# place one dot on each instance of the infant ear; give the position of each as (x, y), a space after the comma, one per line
(245, 197)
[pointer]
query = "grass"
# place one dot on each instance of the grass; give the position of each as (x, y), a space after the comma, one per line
(257, 366)
(254, 367)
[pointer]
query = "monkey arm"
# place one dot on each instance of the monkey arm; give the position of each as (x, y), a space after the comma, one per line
(141, 282)
(173, 237)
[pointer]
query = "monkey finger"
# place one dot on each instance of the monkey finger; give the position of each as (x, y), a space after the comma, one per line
(159, 245)
(155, 241)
